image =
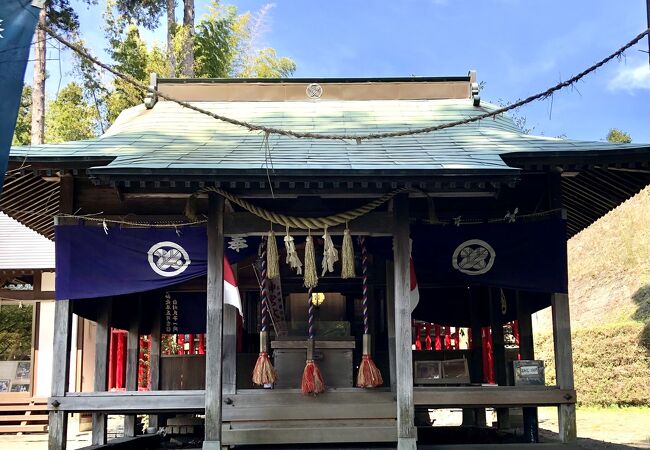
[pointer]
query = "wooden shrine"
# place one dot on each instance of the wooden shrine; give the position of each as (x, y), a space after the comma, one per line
(144, 170)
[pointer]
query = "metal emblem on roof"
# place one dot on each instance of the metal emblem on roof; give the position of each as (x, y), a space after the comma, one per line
(314, 90)
(168, 259)
(473, 257)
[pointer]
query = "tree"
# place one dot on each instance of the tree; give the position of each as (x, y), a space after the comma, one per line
(15, 332)
(617, 136)
(59, 15)
(266, 64)
(70, 117)
(23, 130)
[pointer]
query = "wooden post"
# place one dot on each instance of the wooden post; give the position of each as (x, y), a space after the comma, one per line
(498, 347)
(390, 319)
(476, 352)
(154, 359)
(406, 431)
(132, 358)
(214, 325)
(527, 351)
(58, 420)
(230, 314)
(563, 364)
(101, 365)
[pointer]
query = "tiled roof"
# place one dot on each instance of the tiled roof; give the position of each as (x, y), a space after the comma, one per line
(172, 137)
(23, 248)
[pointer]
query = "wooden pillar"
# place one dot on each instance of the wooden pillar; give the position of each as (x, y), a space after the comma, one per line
(154, 358)
(476, 352)
(527, 351)
(214, 325)
(58, 420)
(406, 431)
(132, 359)
(390, 319)
(102, 337)
(499, 350)
(563, 364)
(230, 318)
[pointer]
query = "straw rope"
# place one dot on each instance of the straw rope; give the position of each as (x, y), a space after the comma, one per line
(304, 223)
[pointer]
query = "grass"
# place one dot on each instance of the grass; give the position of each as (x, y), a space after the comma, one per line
(611, 366)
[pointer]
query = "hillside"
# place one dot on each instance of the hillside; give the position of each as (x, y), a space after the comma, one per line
(609, 268)
(609, 291)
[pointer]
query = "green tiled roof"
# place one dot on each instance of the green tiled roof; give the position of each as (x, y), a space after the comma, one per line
(172, 137)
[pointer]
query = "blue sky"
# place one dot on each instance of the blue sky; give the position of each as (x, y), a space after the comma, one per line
(518, 48)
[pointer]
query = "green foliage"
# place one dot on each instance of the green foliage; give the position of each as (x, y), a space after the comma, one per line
(266, 64)
(15, 332)
(132, 57)
(69, 117)
(143, 12)
(611, 364)
(617, 136)
(23, 130)
(223, 47)
(215, 42)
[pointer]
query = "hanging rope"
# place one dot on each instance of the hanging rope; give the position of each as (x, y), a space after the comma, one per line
(312, 379)
(364, 282)
(264, 373)
(369, 375)
(356, 137)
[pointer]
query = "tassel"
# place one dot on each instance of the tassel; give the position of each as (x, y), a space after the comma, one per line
(292, 256)
(311, 277)
(312, 379)
(330, 254)
(264, 373)
(369, 375)
(347, 256)
(191, 208)
(272, 258)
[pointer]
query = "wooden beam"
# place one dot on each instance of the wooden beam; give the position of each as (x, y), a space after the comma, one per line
(230, 318)
(58, 419)
(390, 318)
(16, 295)
(214, 325)
(102, 338)
(406, 431)
(66, 194)
(132, 358)
(492, 396)
(564, 364)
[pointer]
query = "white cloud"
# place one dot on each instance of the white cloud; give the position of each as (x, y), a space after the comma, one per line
(630, 78)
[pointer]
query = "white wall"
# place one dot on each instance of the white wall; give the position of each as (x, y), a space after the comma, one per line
(44, 357)
(45, 348)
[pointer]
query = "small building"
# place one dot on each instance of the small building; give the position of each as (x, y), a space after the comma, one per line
(26, 326)
(159, 219)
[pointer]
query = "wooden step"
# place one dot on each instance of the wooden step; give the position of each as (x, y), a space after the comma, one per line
(23, 428)
(12, 408)
(24, 417)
